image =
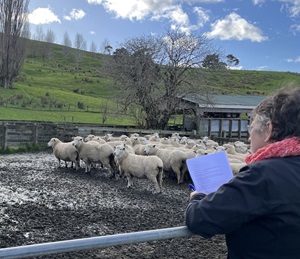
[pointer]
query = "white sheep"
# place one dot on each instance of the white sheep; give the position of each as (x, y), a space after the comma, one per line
(64, 151)
(139, 144)
(165, 141)
(241, 147)
(115, 143)
(173, 160)
(91, 137)
(183, 140)
(95, 153)
(132, 165)
(155, 137)
(134, 135)
(109, 137)
(231, 152)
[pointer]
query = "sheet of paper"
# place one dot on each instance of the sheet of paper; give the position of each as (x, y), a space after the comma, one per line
(209, 172)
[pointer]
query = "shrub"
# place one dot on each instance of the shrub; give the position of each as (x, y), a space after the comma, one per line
(80, 105)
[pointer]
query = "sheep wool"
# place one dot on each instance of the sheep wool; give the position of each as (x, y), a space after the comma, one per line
(132, 165)
(64, 151)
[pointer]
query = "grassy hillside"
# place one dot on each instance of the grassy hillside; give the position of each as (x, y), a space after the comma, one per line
(52, 87)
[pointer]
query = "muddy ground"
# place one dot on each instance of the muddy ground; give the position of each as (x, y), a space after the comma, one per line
(41, 203)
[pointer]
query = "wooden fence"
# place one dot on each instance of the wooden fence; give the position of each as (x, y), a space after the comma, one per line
(20, 133)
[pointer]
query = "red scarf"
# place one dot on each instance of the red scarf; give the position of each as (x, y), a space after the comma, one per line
(283, 148)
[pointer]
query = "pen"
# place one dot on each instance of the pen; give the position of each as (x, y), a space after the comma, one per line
(192, 187)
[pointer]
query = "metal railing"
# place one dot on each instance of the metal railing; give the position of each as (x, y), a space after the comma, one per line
(93, 242)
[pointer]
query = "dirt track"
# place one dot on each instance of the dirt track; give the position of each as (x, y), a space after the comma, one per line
(40, 203)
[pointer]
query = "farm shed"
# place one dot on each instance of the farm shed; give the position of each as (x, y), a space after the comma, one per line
(217, 106)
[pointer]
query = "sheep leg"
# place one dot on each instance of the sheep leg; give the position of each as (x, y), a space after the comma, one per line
(178, 174)
(153, 179)
(87, 166)
(108, 166)
(184, 175)
(77, 165)
(129, 181)
(159, 177)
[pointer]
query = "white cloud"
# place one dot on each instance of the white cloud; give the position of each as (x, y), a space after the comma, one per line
(75, 14)
(233, 27)
(261, 68)
(235, 67)
(204, 1)
(293, 6)
(258, 2)
(293, 60)
(92, 32)
(170, 10)
(295, 28)
(43, 16)
(203, 16)
(174, 14)
(139, 10)
(94, 1)
(135, 9)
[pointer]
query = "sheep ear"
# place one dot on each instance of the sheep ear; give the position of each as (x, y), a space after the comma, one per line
(154, 145)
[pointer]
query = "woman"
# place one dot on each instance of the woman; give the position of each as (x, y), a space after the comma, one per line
(259, 209)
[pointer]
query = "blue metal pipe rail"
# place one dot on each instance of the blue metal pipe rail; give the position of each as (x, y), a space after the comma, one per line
(93, 242)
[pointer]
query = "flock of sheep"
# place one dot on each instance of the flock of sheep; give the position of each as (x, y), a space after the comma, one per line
(148, 156)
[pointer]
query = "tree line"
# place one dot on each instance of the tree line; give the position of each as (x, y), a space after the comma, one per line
(151, 73)
(14, 35)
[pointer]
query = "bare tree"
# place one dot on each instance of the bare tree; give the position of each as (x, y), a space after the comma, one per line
(49, 39)
(105, 47)
(14, 32)
(138, 77)
(39, 33)
(154, 72)
(67, 43)
(79, 44)
(93, 48)
(104, 111)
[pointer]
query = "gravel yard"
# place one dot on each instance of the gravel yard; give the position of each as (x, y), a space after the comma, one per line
(41, 203)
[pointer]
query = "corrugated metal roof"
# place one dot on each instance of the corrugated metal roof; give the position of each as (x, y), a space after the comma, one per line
(228, 100)
(244, 100)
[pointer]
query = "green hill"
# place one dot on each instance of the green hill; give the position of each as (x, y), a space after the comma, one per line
(54, 87)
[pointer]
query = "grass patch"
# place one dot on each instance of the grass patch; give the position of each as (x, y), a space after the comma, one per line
(26, 148)
(58, 89)
(7, 113)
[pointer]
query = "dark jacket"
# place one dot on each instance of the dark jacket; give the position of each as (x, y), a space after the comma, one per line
(258, 211)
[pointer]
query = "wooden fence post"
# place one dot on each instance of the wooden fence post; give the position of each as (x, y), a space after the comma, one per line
(35, 134)
(239, 129)
(220, 128)
(209, 127)
(4, 141)
(230, 128)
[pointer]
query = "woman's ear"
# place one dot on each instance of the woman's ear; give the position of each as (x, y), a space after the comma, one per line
(269, 128)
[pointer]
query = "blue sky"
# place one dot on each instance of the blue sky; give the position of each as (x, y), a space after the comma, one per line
(262, 34)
